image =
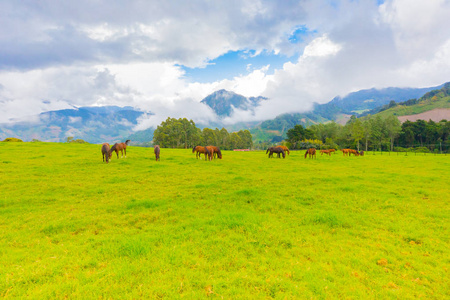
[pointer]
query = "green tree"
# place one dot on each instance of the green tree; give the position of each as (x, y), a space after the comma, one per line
(176, 133)
(393, 128)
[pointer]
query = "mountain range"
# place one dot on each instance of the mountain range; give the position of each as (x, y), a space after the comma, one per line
(112, 123)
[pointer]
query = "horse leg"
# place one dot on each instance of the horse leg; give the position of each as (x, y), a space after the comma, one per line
(125, 149)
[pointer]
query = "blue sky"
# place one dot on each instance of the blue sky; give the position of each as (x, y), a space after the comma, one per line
(235, 64)
(241, 62)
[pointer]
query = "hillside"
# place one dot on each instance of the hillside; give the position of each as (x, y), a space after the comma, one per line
(437, 101)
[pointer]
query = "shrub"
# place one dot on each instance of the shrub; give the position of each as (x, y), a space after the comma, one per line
(12, 140)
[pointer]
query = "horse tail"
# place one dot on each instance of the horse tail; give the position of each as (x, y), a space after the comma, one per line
(207, 151)
(126, 142)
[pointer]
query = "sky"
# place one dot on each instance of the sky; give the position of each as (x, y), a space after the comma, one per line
(164, 57)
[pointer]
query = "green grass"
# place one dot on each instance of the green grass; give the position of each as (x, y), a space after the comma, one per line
(242, 227)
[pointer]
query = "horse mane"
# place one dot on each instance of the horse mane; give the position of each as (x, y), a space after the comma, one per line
(113, 148)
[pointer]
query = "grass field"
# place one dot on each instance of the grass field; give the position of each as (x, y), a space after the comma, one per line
(242, 227)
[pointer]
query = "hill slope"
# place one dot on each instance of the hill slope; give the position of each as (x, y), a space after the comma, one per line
(436, 100)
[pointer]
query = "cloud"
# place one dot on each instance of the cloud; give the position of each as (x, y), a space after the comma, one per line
(56, 55)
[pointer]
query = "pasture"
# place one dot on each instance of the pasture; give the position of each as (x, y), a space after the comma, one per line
(243, 227)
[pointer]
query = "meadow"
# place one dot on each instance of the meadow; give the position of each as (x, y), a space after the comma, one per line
(244, 227)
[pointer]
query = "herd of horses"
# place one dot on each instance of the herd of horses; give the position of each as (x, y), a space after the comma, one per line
(107, 151)
(212, 152)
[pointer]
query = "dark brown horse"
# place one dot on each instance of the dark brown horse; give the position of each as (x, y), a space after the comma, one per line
(286, 149)
(106, 152)
(217, 152)
(276, 150)
(199, 150)
(157, 151)
(120, 147)
(311, 152)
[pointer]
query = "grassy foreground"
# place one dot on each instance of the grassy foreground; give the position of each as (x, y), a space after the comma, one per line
(242, 227)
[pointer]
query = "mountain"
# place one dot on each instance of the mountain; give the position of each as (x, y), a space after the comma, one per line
(223, 102)
(362, 101)
(434, 105)
(92, 124)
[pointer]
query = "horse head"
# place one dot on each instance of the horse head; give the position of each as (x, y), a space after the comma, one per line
(193, 149)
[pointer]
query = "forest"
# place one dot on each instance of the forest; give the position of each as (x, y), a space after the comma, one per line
(183, 133)
(373, 133)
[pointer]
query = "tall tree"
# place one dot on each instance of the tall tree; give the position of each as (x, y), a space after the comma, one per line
(393, 128)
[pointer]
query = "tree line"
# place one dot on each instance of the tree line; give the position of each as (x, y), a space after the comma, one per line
(372, 133)
(183, 133)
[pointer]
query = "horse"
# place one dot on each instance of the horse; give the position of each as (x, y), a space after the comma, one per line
(200, 150)
(332, 150)
(277, 150)
(326, 152)
(157, 150)
(106, 152)
(351, 151)
(210, 151)
(217, 152)
(345, 151)
(286, 149)
(120, 147)
(311, 152)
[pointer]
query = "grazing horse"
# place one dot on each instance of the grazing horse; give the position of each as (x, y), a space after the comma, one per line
(326, 152)
(217, 152)
(199, 151)
(157, 151)
(106, 153)
(120, 147)
(277, 150)
(286, 149)
(311, 152)
(351, 151)
(345, 151)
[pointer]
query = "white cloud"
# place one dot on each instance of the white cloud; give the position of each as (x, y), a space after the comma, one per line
(80, 54)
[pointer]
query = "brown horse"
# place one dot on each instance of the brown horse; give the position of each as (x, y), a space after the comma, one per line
(277, 150)
(332, 150)
(120, 147)
(199, 150)
(217, 152)
(106, 153)
(351, 151)
(286, 149)
(326, 152)
(157, 150)
(311, 152)
(345, 151)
